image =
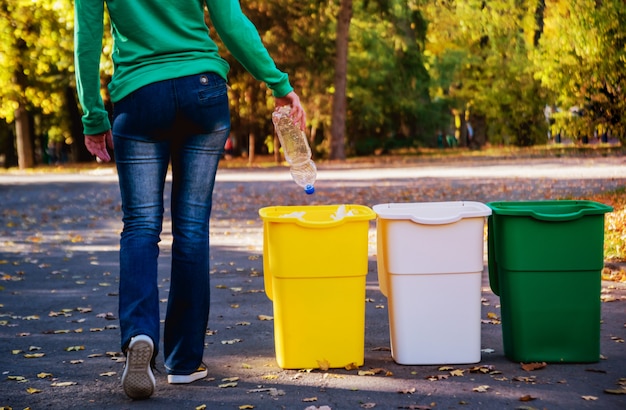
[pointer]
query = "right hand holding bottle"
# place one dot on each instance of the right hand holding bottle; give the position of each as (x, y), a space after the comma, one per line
(297, 112)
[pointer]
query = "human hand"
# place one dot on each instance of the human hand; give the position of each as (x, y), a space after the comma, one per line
(297, 112)
(97, 145)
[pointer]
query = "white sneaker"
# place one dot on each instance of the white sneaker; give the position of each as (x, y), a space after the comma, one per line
(137, 379)
(201, 373)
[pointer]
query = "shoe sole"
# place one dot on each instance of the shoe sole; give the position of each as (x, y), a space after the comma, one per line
(137, 379)
(186, 378)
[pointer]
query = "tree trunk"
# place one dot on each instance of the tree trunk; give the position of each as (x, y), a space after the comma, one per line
(251, 147)
(78, 151)
(338, 119)
(251, 125)
(25, 158)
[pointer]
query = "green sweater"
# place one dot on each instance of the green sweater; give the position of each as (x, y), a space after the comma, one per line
(156, 40)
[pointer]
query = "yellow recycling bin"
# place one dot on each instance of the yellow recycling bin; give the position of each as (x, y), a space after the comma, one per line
(315, 265)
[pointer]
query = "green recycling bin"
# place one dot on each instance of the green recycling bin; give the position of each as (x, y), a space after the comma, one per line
(545, 261)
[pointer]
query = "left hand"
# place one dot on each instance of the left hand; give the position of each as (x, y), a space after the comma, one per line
(97, 145)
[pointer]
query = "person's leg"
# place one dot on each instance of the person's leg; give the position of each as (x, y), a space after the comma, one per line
(204, 122)
(142, 168)
(142, 159)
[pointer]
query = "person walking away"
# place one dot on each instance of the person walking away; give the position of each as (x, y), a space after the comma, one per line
(170, 105)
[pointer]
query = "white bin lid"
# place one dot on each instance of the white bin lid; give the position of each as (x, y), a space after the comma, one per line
(432, 213)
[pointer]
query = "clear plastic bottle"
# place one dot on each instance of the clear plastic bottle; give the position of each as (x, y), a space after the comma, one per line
(296, 149)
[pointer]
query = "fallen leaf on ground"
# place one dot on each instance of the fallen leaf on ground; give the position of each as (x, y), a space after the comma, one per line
(481, 389)
(437, 377)
(373, 372)
(483, 369)
(351, 366)
(527, 397)
(529, 367)
(323, 365)
(62, 384)
(589, 398)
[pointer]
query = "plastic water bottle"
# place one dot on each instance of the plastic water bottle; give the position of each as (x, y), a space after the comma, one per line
(296, 149)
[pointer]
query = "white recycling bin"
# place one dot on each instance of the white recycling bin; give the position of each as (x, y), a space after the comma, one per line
(430, 262)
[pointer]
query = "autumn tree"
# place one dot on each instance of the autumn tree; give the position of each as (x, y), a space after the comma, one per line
(580, 60)
(35, 64)
(479, 57)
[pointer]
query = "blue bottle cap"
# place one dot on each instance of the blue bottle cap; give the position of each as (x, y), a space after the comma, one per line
(309, 189)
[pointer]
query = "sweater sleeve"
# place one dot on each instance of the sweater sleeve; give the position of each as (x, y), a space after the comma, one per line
(88, 30)
(242, 39)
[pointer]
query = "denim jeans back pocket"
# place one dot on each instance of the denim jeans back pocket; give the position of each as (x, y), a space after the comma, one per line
(212, 89)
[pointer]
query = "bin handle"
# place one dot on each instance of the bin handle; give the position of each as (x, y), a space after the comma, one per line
(436, 221)
(492, 265)
(447, 219)
(267, 274)
(559, 217)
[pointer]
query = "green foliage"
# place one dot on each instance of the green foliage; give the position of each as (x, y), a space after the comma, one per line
(36, 56)
(387, 81)
(580, 60)
(479, 60)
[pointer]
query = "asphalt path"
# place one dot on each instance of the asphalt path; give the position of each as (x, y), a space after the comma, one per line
(59, 332)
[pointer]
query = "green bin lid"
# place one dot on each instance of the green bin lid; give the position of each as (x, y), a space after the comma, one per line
(558, 210)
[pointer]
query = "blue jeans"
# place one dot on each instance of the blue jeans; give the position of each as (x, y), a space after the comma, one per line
(185, 121)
